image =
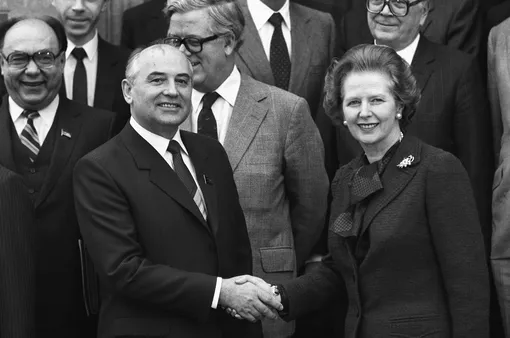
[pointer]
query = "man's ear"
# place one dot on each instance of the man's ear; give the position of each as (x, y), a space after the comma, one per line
(127, 87)
(230, 44)
(425, 7)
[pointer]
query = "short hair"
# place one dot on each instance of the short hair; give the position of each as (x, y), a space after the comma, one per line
(131, 71)
(371, 58)
(55, 25)
(226, 14)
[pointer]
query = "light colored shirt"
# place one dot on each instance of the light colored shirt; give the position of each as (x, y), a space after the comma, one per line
(90, 63)
(42, 123)
(222, 107)
(160, 144)
(261, 13)
(408, 52)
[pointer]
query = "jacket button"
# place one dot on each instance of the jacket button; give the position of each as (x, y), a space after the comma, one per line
(32, 170)
(31, 191)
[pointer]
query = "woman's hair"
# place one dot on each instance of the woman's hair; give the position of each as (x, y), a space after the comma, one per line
(226, 15)
(371, 58)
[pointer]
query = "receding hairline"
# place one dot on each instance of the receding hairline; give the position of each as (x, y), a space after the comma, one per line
(31, 22)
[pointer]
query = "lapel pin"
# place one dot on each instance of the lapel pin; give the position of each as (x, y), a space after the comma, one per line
(65, 133)
(207, 180)
(407, 161)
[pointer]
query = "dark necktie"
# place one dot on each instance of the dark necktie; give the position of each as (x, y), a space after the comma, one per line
(184, 174)
(29, 137)
(80, 76)
(279, 54)
(206, 121)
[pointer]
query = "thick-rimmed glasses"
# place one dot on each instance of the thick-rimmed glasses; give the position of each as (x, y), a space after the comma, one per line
(193, 45)
(43, 59)
(397, 7)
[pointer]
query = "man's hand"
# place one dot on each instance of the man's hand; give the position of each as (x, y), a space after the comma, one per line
(248, 300)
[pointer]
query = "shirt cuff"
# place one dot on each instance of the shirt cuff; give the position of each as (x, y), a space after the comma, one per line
(217, 290)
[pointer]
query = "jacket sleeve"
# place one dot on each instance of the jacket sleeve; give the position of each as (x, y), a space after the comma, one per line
(110, 233)
(459, 246)
(306, 181)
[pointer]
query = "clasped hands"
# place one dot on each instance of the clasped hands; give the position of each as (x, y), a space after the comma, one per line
(248, 297)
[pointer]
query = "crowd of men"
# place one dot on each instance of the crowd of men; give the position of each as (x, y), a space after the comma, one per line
(137, 181)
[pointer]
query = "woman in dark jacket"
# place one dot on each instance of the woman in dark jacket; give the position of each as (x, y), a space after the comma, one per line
(404, 238)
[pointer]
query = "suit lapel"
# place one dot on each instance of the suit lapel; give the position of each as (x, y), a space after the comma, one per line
(67, 120)
(252, 52)
(394, 179)
(422, 64)
(199, 158)
(105, 81)
(6, 156)
(301, 54)
(161, 175)
(249, 111)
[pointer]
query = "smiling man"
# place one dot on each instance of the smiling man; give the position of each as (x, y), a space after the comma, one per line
(42, 135)
(94, 68)
(160, 213)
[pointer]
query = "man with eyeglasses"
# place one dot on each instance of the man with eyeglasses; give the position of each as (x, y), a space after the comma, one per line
(94, 67)
(42, 135)
(287, 45)
(270, 138)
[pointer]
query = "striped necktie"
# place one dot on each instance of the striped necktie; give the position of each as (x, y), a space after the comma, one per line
(29, 137)
(184, 174)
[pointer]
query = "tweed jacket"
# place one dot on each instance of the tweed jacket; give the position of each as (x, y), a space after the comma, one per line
(313, 46)
(499, 89)
(425, 273)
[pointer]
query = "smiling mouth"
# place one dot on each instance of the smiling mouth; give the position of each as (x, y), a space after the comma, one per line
(32, 84)
(169, 105)
(368, 126)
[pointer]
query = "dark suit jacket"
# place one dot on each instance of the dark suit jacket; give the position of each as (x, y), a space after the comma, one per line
(453, 115)
(156, 256)
(455, 23)
(337, 8)
(60, 310)
(313, 46)
(497, 14)
(143, 24)
(111, 67)
(424, 273)
(17, 258)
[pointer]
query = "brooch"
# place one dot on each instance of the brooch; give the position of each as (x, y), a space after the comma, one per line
(407, 161)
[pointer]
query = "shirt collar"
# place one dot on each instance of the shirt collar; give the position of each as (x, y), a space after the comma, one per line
(228, 90)
(90, 47)
(47, 114)
(261, 13)
(408, 52)
(159, 143)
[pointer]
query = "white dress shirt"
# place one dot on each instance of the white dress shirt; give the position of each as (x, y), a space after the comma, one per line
(222, 107)
(90, 63)
(42, 123)
(408, 52)
(261, 13)
(160, 144)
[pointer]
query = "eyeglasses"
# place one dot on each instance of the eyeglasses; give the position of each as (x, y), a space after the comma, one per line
(397, 7)
(193, 45)
(43, 59)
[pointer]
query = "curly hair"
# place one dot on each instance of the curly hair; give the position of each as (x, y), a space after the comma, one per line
(371, 58)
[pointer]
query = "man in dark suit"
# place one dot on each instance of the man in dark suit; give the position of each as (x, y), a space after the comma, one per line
(310, 35)
(337, 8)
(143, 24)
(453, 112)
(17, 258)
(42, 135)
(455, 23)
(94, 68)
(160, 214)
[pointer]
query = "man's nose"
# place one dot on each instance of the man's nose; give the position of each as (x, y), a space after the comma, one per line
(78, 5)
(32, 67)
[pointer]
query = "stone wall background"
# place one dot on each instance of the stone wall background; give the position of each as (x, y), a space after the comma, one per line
(110, 24)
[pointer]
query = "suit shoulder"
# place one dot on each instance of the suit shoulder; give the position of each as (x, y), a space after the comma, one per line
(92, 113)
(120, 52)
(440, 161)
(104, 153)
(140, 12)
(272, 91)
(317, 16)
(451, 57)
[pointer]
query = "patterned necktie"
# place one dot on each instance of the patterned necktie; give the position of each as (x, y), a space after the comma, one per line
(184, 174)
(80, 76)
(206, 121)
(29, 137)
(279, 54)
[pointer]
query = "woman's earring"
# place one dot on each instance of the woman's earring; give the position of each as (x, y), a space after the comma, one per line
(399, 116)
(345, 123)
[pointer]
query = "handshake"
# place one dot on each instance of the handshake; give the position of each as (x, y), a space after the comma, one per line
(248, 297)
